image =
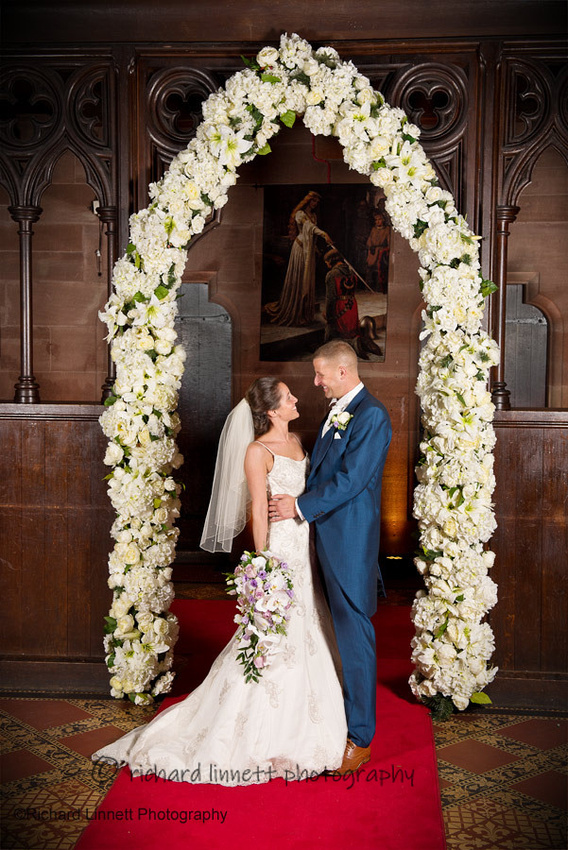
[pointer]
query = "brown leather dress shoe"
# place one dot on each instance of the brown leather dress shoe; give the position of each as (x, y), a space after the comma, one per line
(353, 758)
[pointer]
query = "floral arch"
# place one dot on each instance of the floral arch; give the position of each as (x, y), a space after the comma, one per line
(452, 501)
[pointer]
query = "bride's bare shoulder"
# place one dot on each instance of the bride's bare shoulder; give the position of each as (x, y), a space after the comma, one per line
(258, 453)
(258, 463)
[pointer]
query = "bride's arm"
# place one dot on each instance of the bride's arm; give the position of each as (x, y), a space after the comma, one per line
(257, 461)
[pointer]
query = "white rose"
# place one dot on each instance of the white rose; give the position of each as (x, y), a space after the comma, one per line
(267, 57)
(446, 653)
(144, 620)
(114, 454)
(366, 95)
(477, 666)
(314, 96)
(144, 437)
(124, 624)
(120, 607)
(132, 554)
(197, 223)
(161, 627)
(161, 516)
(450, 527)
(162, 346)
(144, 342)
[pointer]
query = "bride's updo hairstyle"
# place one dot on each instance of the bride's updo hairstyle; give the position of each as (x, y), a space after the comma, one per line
(263, 395)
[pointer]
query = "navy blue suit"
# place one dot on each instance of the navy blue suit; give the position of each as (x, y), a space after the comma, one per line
(343, 500)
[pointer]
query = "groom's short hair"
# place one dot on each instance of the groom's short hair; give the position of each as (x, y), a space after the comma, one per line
(339, 351)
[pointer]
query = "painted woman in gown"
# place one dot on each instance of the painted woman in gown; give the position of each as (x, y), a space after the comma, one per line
(296, 305)
(291, 723)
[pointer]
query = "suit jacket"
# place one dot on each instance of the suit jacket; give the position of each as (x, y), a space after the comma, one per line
(343, 498)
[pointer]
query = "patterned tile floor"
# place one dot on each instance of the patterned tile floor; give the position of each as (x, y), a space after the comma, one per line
(503, 780)
(503, 776)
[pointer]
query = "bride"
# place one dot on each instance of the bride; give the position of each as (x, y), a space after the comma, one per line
(291, 723)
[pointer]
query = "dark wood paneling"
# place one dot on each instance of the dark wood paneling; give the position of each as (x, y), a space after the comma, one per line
(553, 638)
(531, 542)
(522, 690)
(11, 532)
(554, 634)
(65, 677)
(219, 20)
(54, 536)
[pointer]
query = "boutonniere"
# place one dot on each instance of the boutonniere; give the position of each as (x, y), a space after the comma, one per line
(340, 421)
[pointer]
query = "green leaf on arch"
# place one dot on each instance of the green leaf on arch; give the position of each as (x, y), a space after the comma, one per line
(488, 287)
(161, 291)
(288, 118)
(480, 698)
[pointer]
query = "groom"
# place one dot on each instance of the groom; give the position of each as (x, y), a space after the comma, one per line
(343, 500)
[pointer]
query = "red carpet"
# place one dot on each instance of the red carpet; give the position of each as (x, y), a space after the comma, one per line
(392, 803)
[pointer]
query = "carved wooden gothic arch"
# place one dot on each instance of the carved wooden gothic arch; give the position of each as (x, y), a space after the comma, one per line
(78, 115)
(536, 93)
(436, 98)
(534, 117)
(169, 85)
(47, 110)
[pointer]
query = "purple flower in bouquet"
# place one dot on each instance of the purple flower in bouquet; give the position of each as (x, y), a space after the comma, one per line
(265, 594)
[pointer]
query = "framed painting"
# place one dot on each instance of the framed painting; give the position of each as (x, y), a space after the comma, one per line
(325, 266)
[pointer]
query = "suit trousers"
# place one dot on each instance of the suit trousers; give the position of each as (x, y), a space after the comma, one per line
(356, 642)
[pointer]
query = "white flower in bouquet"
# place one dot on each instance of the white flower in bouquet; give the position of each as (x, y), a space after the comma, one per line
(264, 593)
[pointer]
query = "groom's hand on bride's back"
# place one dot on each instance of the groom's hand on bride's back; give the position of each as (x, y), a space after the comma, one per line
(282, 506)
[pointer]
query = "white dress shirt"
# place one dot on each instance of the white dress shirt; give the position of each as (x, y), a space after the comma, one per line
(338, 405)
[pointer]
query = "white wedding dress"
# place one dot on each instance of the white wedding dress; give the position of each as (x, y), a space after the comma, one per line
(291, 724)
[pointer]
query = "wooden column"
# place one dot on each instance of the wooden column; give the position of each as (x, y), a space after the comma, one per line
(108, 215)
(505, 216)
(27, 388)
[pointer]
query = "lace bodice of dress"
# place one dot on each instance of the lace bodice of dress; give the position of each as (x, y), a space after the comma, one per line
(287, 476)
(288, 538)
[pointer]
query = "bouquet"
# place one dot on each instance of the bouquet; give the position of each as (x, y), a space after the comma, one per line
(265, 594)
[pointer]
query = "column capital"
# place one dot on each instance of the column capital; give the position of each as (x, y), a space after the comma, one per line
(107, 214)
(507, 213)
(21, 213)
